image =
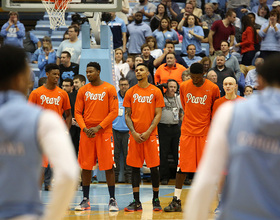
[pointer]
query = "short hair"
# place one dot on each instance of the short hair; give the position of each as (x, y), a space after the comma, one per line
(253, 14)
(95, 65)
(139, 12)
(76, 29)
(248, 87)
(80, 77)
(143, 64)
(274, 12)
(210, 4)
(132, 57)
(75, 23)
(51, 66)
(259, 60)
(154, 40)
(191, 45)
(67, 53)
(224, 41)
(186, 72)
(229, 13)
(169, 42)
(123, 79)
(269, 71)
(42, 81)
(69, 80)
(196, 68)
(13, 61)
(171, 53)
(144, 45)
(220, 54)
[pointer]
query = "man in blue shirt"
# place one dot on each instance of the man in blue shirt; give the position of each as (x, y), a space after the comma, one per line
(191, 58)
(138, 31)
(118, 29)
(252, 76)
(13, 31)
(121, 134)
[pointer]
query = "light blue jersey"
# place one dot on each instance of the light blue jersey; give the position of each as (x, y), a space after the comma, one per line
(75, 49)
(20, 157)
(252, 188)
(119, 123)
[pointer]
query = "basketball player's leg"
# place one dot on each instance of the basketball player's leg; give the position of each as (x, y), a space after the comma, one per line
(135, 159)
(87, 159)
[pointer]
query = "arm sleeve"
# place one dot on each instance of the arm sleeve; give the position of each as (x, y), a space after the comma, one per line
(52, 57)
(159, 100)
(33, 38)
(79, 109)
(114, 106)
(59, 50)
(3, 30)
(42, 62)
(249, 37)
(175, 35)
(148, 31)
(277, 33)
(212, 164)
(261, 33)
(157, 76)
(58, 147)
(35, 55)
(182, 98)
(32, 98)
(21, 32)
(123, 27)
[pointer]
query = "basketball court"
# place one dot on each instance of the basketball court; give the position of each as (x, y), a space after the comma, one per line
(99, 199)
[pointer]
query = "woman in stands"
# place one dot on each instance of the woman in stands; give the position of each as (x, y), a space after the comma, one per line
(263, 12)
(120, 63)
(152, 42)
(249, 38)
(165, 33)
(174, 25)
(206, 62)
(270, 34)
(192, 34)
(161, 12)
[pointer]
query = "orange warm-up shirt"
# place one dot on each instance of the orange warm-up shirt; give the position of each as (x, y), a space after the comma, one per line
(197, 104)
(56, 99)
(96, 105)
(165, 73)
(222, 100)
(143, 103)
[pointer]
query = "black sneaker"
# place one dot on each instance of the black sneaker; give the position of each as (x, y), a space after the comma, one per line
(134, 206)
(174, 206)
(84, 205)
(156, 205)
(188, 182)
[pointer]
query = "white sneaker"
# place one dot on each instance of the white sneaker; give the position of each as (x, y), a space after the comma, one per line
(113, 206)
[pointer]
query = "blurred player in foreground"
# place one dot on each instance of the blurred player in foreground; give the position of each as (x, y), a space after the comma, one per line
(26, 132)
(244, 139)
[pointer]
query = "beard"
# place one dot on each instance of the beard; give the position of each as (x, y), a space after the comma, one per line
(138, 21)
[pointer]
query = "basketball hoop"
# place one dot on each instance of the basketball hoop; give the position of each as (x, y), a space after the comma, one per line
(56, 11)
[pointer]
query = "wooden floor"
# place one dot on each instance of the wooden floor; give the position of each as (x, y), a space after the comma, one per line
(99, 203)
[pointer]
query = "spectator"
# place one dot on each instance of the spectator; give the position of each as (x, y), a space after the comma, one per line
(152, 42)
(249, 38)
(42, 81)
(237, 6)
(66, 35)
(276, 5)
(68, 85)
(196, 11)
(169, 48)
(261, 4)
(45, 42)
(13, 30)
(73, 45)
(130, 61)
(67, 68)
(263, 12)
(217, 9)
(222, 30)
(209, 17)
(118, 29)
(172, 8)
(192, 34)
(248, 90)
(174, 26)
(165, 33)
(252, 76)
(146, 8)
(121, 135)
(270, 35)
(148, 59)
(207, 64)
(120, 63)
(46, 58)
(124, 12)
(30, 43)
(191, 58)
(252, 16)
(138, 31)
(169, 130)
(169, 70)
(161, 12)
(186, 75)
(188, 11)
(222, 71)
(212, 76)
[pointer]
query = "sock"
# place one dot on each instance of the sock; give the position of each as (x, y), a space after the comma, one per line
(155, 195)
(136, 196)
(86, 191)
(111, 191)
(177, 193)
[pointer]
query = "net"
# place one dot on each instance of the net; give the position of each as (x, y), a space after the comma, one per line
(56, 11)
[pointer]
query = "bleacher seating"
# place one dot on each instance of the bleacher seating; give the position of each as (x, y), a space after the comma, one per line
(40, 34)
(57, 35)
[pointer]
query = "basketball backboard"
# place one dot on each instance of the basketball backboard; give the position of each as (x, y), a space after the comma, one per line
(75, 5)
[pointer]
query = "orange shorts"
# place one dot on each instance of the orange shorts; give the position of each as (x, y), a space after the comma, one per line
(101, 147)
(148, 151)
(190, 152)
